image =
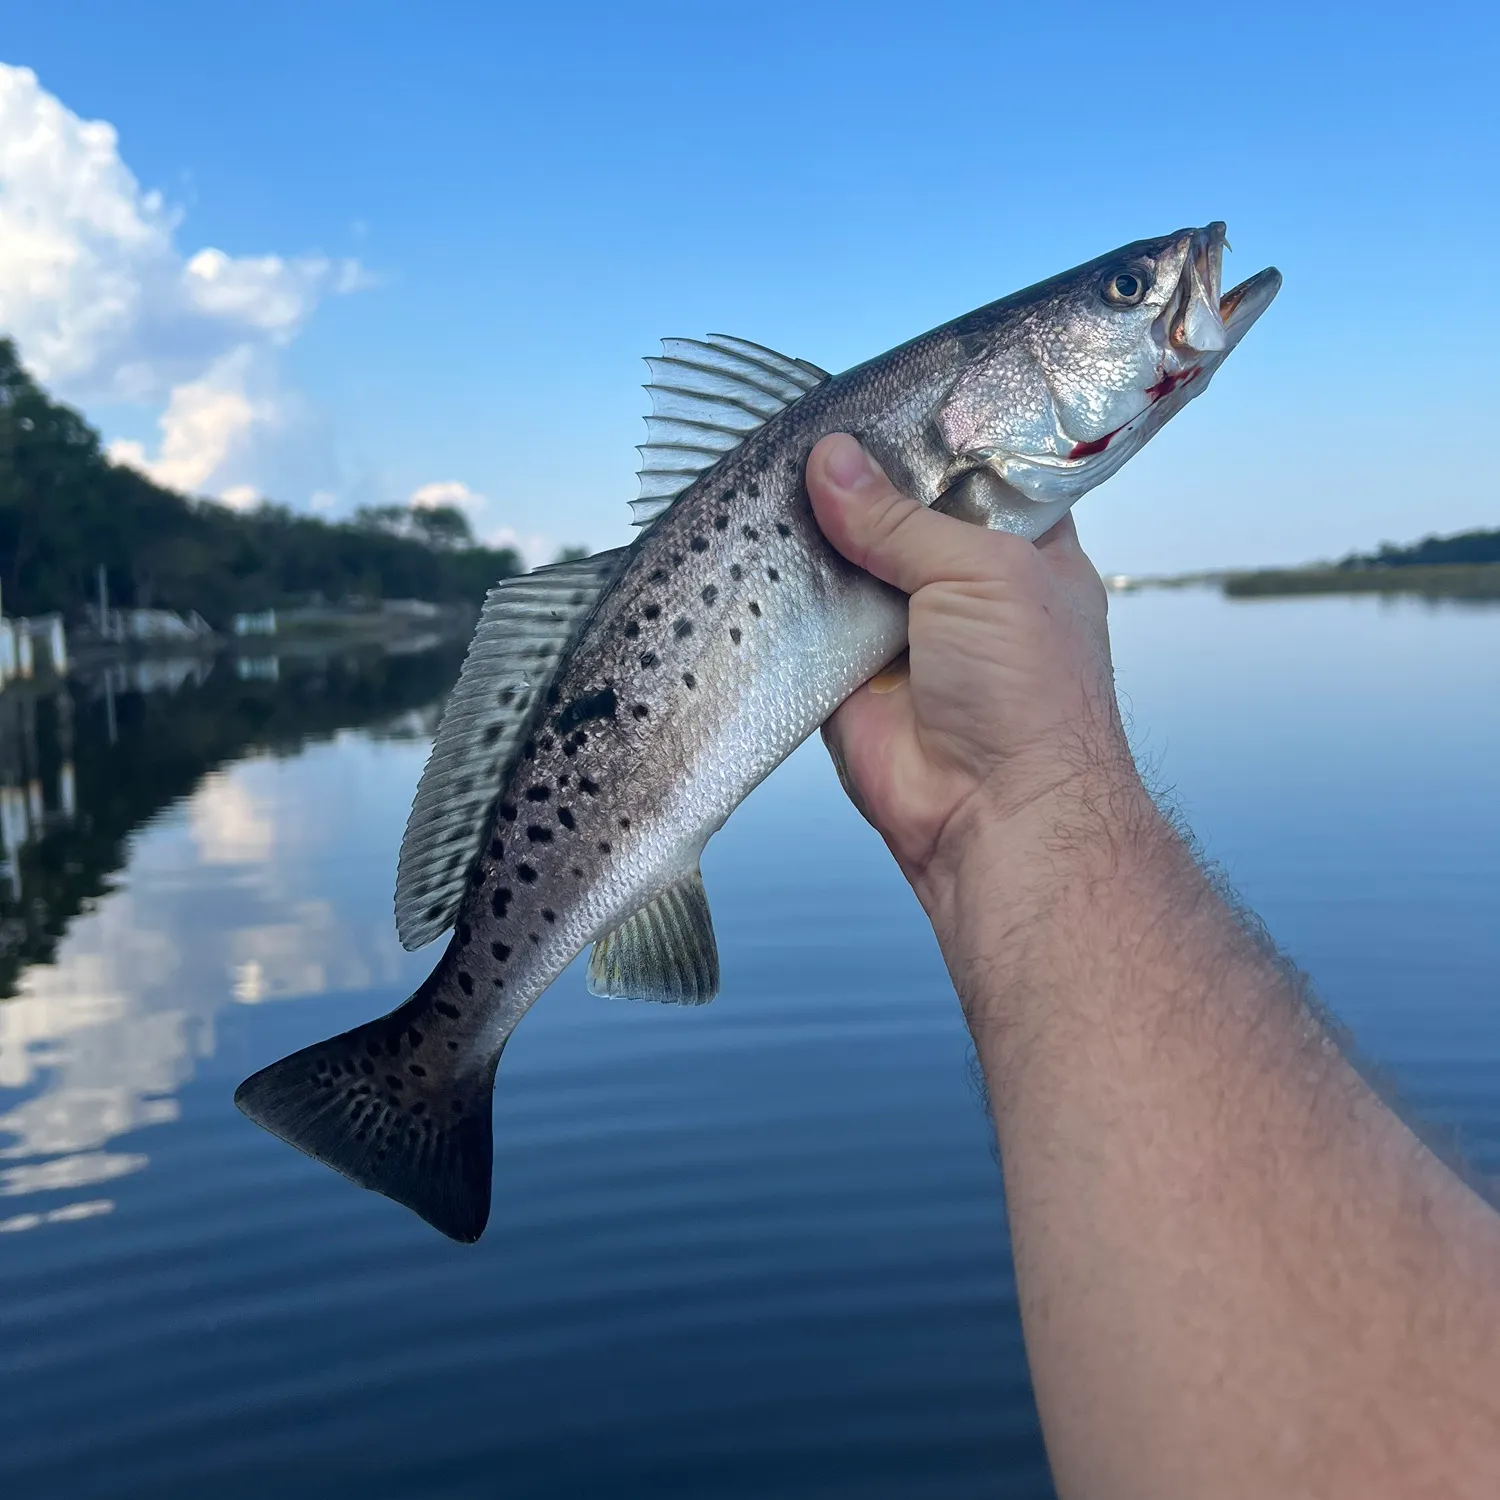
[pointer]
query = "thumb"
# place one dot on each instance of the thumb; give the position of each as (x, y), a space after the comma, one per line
(901, 542)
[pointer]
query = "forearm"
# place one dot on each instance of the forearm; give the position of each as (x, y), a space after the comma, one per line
(1239, 1273)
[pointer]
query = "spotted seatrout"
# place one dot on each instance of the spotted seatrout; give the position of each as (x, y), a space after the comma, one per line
(613, 712)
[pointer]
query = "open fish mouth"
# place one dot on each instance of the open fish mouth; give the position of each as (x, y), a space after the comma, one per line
(1204, 319)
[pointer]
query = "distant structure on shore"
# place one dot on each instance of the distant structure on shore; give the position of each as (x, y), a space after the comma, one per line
(30, 646)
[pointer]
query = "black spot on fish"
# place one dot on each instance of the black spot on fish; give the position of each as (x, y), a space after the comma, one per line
(444, 1009)
(453, 1046)
(755, 609)
(632, 629)
(736, 571)
(773, 575)
(500, 901)
(497, 849)
(539, 835)
(414, 1037)
(624, 822)
(688, 680)
(527, 874)
(465, 982)
(548, 915)
(588, 786)
(650, 659)
(366, 1066)
(576, 873)
(565, 817)
(677, 559)
(736, 634)
(464, 933)
(721, 523)
(658, 575)
(538, 793)
(782, 529)
(508, 697)
(499, 984)
(605, 847)
(639, 710)
(749, 533)
(753, 489)
(416, 1070)
(652, 611)
(562, 780)
(600, 705)
(500, 950)
(682, 628)
(419, 1108)
(533, 936)
(710, 593)
(493, 733)
(528, 750)
(508, 811)
(546, 742)
(577, 598)
(433, 913)
(699, 544)
(569, 749)
(552, 696)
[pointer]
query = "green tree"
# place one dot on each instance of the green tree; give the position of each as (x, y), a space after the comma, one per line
(65, 510)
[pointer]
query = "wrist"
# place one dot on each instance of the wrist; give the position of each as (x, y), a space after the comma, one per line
(1020, 877)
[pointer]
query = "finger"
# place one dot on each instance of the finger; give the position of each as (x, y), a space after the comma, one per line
(874, 525)
(856, 735)
(1063, 551)
(1063, 536)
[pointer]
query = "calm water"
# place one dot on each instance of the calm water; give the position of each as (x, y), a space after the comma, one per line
(754, 1250)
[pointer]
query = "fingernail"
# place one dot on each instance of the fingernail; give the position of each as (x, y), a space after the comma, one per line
(847, 464)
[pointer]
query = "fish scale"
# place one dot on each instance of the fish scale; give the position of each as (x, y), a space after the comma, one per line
(612, 713)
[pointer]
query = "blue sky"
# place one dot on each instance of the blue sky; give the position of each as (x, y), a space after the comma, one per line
(449, 232)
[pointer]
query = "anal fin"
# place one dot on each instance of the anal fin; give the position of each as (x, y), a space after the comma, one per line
(665, 952)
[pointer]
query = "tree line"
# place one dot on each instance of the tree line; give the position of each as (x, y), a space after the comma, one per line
(65, 509)
(1468, 547)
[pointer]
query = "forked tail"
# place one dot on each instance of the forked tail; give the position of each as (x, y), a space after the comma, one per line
(397, 1106)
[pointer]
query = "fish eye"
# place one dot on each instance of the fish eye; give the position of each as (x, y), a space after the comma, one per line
(1127, 287)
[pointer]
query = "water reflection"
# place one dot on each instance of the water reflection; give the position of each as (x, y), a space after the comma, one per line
(103, 1020)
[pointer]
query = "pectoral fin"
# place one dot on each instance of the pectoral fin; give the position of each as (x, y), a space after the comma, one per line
(665, 952)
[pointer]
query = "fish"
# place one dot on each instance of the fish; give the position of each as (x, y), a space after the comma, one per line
(613, 711)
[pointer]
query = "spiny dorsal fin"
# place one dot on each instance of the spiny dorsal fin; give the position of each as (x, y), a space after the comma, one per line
(707, 397)
(666, 951)
(524, 631)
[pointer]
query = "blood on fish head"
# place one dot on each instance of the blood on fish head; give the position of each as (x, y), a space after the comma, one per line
(1068, 379)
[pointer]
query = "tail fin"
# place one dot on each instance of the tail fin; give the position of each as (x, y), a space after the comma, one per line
(389, 1106)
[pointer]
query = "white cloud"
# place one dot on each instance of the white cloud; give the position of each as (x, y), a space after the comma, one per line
(104, 306)
(452, 492)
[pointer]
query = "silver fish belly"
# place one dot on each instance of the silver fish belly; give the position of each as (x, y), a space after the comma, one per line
(613, 713)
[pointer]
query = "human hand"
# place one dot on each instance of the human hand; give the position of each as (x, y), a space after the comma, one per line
(1007, 705)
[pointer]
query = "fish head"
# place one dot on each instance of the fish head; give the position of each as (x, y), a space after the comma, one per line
(1064, 382)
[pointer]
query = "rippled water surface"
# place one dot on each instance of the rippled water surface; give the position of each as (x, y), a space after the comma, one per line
(753, 1250)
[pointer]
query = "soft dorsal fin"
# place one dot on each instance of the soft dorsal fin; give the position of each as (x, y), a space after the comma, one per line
(666, 951)
(707, 397)
(524, 631)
